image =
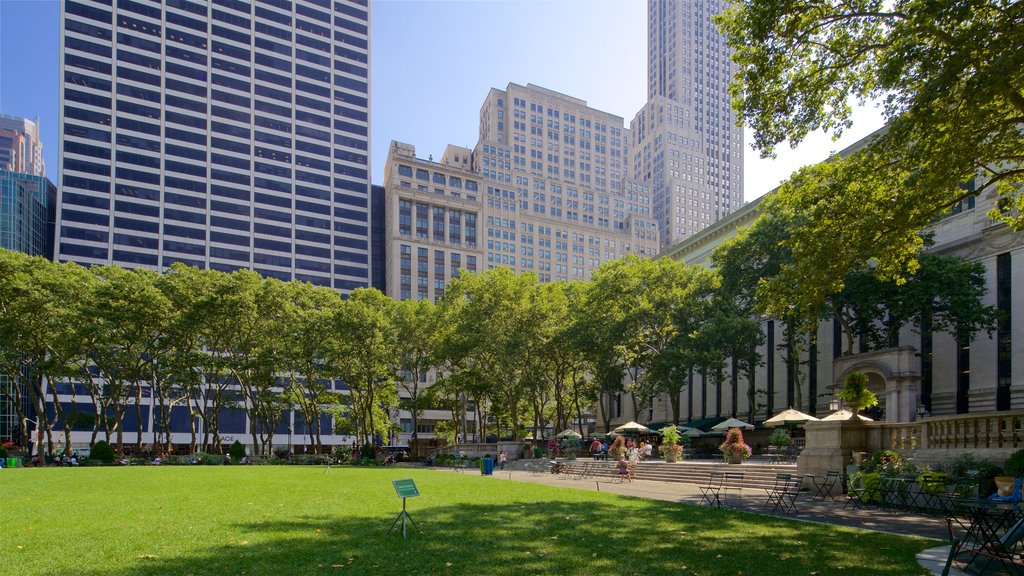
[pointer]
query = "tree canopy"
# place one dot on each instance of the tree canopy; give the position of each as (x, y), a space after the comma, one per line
(950, 78)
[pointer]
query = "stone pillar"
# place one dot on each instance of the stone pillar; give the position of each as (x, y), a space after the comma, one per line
(830, 446)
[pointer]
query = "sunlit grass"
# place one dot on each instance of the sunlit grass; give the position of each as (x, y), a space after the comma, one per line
(299, 520)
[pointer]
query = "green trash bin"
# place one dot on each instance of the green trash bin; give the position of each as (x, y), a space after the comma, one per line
(12, 463)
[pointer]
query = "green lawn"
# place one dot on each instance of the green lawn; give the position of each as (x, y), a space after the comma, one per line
(279, 520)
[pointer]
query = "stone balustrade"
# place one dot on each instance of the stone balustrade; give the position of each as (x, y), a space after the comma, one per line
(978, 431)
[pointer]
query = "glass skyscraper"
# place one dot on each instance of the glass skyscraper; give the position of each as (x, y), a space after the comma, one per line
(223, 134)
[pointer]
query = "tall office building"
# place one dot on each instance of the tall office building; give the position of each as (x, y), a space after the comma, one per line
(685, 143)
(219, 133)
(558, 197)
(545, 190)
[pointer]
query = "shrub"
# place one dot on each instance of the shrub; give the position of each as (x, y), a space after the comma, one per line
(237, 452)
(102, 451)
(869, 481)
(3, 452)
(855, 391)
(1014, 465)
(343, 453)
(210, 458)
(933, 482)
(367, 451)
(780, 438)
(887, 461)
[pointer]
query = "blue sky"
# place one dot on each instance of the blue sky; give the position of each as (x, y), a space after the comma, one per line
(432, 63)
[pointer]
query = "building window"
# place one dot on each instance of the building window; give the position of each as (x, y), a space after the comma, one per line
(1004, 350)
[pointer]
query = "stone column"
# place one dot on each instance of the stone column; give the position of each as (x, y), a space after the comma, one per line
(830, 446)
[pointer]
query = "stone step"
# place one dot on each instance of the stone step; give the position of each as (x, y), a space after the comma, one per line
(755, 476)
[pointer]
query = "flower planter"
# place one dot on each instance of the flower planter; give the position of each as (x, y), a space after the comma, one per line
(733, 459)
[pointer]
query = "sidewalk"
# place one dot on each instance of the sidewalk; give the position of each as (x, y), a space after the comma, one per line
(752, 500)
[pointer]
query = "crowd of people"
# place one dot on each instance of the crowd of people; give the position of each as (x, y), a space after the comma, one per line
(627, 461)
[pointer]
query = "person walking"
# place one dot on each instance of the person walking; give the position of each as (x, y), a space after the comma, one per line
(502, 458)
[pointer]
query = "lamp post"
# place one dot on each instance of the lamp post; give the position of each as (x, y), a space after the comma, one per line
(290, 430)
(833, 405)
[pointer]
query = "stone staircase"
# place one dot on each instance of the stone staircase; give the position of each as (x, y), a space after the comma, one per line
(698, 472)
(755, 475)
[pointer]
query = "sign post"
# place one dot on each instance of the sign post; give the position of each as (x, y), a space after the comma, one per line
(405, 489)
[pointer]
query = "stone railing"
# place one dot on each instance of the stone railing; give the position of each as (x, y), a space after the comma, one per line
(475, 450)
(985, 430)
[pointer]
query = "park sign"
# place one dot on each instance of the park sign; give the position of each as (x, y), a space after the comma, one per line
(405, 488)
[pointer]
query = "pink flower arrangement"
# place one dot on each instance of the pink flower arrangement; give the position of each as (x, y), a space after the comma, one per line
(734, 447)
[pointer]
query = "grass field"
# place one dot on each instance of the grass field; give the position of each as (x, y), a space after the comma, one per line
(280, 520)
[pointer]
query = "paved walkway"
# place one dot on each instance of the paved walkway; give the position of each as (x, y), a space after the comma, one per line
(753, 499)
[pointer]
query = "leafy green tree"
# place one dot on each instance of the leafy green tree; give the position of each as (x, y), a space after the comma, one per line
(306, 335)
(364, 351)
(950, 76)
(492, 344)
(37, 327)
(418, 336)
(128, 314)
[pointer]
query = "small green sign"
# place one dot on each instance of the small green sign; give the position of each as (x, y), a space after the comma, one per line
(405, 488)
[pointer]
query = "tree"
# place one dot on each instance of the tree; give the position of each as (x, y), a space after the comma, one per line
(418, 334)
(129, 316)
(306, 336)
(950, 75)
(363, 349)
(38, 328)
(492, 345)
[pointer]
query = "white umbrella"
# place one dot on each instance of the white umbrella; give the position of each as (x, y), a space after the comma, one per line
(685, 431)
(567, 433)
(732, 423)
(844, 414)
(632, 427)
(789, 416)
(691, 432)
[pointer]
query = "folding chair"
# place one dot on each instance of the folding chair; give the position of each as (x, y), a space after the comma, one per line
(733, 481)
(783, 493)
(860, 496)
(711, 493)
(582, 472)
(824, 489)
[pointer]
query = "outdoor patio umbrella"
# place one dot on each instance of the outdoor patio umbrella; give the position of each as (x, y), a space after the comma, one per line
(844, 414)
(789, 417)
(632, 427)
(732, 423)
(691, 432)
(568, 433)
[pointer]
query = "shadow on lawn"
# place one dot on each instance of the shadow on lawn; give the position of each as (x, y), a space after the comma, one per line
(547, 537)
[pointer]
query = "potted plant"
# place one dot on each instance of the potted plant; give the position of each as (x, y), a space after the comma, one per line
(780, 438)
(617, 450)
(856, 394)
(670, 443)
(734, 448)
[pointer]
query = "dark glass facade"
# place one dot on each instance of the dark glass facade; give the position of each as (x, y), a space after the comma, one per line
(222, 133)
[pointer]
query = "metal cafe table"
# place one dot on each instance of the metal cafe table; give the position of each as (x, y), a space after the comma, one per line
(982, 522)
